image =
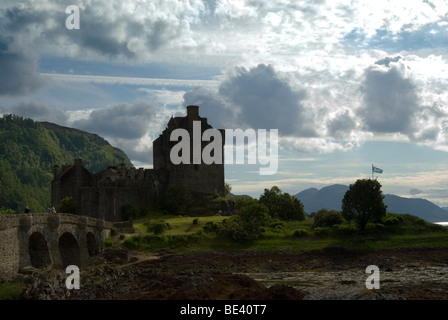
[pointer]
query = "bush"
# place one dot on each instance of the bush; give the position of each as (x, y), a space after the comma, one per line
(210, 227)
(277, 225)
(282, 205)
(374, 227)
(177, 199)
(108, 243)
(129, 212)
(321, 231)
(4, 210)
(300, 233)
(327, 218)
(67, 205)
(113, 231)
(195, 221)
(160, 227)
(247, 224)
(344, 229)
(392, 220)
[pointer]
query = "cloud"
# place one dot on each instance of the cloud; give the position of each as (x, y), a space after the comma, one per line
(341, 126)
(123, 120)
(387, 60)
(40, 112)
(390, 100)
(415, 191)
(18, 68)
(257, 98)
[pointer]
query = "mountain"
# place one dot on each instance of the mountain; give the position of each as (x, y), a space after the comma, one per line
(330, 198)
(30, 149)
(419, 207)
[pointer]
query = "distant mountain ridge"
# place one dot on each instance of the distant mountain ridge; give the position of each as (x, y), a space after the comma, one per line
(330, 198)
(29, 150)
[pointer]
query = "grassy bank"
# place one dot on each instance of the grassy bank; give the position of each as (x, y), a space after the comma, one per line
(183, 234)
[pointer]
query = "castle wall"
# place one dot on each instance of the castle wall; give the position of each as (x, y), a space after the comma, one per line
(102, 195)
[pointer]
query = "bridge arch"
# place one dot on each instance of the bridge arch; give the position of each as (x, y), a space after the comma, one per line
(38, 250)
(69, 250)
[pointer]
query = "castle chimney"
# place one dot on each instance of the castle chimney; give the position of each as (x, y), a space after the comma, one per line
(193, 112)
(78, 162)
(55, 170)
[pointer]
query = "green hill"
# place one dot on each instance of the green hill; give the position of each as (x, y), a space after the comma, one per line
(30, 149)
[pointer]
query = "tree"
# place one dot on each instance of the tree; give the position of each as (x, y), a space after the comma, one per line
(67, 205)
(129, 211)
(327, 218)
(282, 205)
(363, 202)
(248, 224)
(177, 198)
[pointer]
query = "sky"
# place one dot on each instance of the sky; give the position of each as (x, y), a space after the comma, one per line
(347, 84)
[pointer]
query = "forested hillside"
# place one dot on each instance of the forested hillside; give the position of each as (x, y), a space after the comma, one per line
(29, 150)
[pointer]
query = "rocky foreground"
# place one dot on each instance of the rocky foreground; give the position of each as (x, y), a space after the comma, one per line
(330, 274)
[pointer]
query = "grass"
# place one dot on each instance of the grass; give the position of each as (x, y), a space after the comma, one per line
(10, 290)
(183, 234)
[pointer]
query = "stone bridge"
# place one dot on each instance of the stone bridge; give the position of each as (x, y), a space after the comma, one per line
(42, 239)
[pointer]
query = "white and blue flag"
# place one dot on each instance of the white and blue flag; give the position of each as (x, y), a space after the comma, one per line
(376, 170)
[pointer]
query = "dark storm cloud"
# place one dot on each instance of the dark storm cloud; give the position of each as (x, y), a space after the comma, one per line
(18, 68)
(258, 98)
(124, 121)
(214, 107)
(386, 61)
(390, 101)
(341, 126)
(18, 74)
(39, 112)
(25, 29)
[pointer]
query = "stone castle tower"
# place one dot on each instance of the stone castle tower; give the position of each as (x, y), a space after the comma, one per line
(103, 194)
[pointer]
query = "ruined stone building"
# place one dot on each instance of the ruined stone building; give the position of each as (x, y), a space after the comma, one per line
(103, 194)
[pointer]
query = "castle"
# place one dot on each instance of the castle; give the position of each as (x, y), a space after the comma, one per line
(102, 195)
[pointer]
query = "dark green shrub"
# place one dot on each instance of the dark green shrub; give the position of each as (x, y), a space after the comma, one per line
(67, 205)
(160, 227)
(327, 218)
(282, 205)
(321, 231)
(277, 225)
(108, 243)
(129, 212)
(210, 227)
(344, 229)
(374, 227)
(195, 221)
(300, 233)
(4, 210)
(177, 199)
(247, 224)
